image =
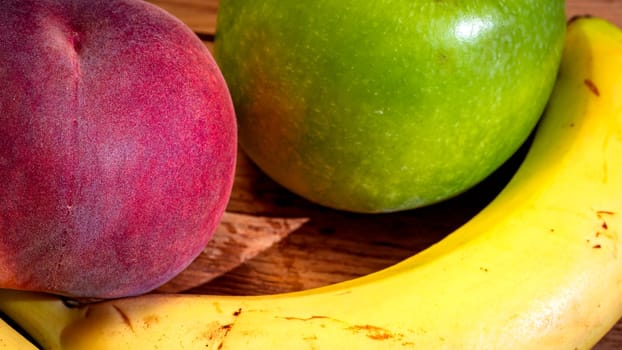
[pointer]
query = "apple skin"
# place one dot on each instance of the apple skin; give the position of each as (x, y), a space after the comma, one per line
(380, 106)
(118, 144)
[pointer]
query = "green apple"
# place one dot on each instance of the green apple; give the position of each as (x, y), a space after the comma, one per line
(386, 105)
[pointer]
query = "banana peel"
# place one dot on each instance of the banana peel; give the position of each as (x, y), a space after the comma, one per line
(11, 339)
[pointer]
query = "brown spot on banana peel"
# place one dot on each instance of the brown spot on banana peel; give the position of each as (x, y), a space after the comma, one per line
(124, 317)
(374, 332)
(602, 213)
(306, 319)
(87, 311)
(593, 88)
(370, 331)
(226, 328)
(217, 334)
(151, 320)
(222, 332)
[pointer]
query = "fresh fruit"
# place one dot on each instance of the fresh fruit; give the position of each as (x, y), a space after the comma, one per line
(10, 339)
(539, 268)
(390, 105)
(117, 146)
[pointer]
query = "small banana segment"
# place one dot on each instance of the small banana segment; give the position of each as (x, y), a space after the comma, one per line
(10, 339)
(539, 268)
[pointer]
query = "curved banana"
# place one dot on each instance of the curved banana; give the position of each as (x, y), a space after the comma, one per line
(539, 268)
(10, 339)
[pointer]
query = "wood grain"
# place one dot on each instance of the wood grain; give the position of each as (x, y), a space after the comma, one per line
(322, 246)
(608, 9)
(237, 239)
(200, 15)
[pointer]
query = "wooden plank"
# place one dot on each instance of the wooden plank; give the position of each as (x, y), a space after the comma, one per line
(200, 15)
(608, 9)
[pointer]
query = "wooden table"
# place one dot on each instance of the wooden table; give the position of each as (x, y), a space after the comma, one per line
(288, 244)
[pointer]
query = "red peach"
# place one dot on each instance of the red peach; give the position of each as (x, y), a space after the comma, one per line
(117, 146)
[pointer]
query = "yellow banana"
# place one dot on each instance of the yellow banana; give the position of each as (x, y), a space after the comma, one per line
(10, 339)
(539, 268)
